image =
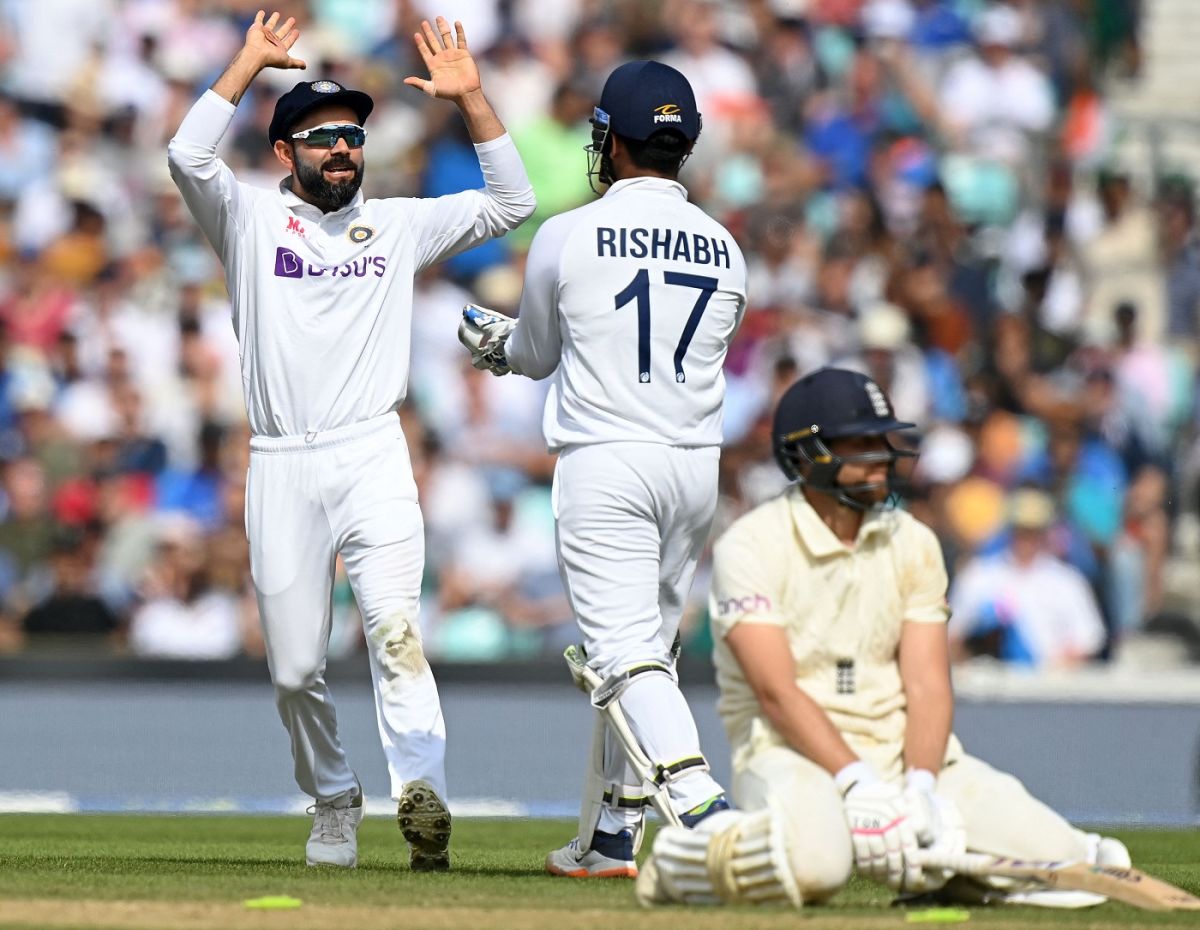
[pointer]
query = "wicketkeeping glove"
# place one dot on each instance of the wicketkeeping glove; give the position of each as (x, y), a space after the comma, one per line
(885, 847)
(484, 333)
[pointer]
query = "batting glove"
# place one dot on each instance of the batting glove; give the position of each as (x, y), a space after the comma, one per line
(484, 333)
(885, 847)
(937, 824)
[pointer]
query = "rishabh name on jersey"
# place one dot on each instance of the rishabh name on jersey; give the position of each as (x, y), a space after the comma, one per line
(651, 292)
(660, 243)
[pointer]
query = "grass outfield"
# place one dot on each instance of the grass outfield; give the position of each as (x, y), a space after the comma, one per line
(173, 872)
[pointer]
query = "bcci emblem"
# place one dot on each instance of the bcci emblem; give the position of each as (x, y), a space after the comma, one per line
(325, 87)
(359, 234)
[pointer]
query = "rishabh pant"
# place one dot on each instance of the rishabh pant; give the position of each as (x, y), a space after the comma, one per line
(632, 519)
(351, 491)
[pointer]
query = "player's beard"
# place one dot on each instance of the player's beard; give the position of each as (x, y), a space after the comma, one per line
(329, 195)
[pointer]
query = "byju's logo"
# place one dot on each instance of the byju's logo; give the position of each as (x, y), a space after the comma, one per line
(288, 264)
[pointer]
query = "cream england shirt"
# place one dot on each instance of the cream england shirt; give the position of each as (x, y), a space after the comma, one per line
(843, 609)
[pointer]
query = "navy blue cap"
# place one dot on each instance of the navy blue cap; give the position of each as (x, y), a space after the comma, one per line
(834, 403)
(307, 96)
(642, 97)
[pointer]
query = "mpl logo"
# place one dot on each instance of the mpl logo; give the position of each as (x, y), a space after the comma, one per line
(294, 226)
(667, 113)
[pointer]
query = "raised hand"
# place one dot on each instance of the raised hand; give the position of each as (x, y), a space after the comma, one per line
(452, 71)
(271, 42)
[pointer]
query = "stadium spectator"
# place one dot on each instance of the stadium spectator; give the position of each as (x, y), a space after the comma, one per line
(1121, 262)
(1181, 258)
(1024, 605)
(71, 607)
(183, 615)
(997, 104)
(962, 163)
(549, 145)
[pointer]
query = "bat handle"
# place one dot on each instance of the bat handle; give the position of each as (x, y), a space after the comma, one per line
(969, 863)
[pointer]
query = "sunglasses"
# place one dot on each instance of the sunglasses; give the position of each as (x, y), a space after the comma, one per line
(326, 137)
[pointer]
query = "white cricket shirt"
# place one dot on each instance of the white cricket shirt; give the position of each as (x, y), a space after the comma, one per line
(631, 301)
(322, 302)
(1048, 606)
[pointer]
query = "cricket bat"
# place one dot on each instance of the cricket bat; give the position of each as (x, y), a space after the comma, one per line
(1131, 886)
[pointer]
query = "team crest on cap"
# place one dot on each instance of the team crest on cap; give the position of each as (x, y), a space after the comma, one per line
(667, 113)
(325, 87)
(878, 400)
(359, 234)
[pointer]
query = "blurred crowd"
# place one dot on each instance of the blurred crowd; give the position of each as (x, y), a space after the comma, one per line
(925, 190)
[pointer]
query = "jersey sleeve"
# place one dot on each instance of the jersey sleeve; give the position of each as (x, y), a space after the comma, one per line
(444, 226)
(747, 579)
(925, 581)
(535, 345)
(212, 194)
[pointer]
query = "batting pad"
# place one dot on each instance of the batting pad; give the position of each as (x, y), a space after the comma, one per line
(732, 857)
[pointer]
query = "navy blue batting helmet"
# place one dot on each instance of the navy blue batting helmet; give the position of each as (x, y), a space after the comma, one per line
(831, 404)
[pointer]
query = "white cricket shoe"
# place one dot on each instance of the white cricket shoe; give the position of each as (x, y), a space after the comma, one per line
(571, 862)
(334, 837)
(425, 822)
(1111, 851)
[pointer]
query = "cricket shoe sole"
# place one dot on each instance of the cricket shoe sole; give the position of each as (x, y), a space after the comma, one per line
(425, 823)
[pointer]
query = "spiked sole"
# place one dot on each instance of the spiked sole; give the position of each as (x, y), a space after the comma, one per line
(425, 823)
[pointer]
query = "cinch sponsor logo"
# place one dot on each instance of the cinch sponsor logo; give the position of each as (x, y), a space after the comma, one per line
(290, 265)
(750, 604)
(667, 113)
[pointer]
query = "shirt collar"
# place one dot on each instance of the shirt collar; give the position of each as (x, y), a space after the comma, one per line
(293, 202)
(647, 183)
(819, 539)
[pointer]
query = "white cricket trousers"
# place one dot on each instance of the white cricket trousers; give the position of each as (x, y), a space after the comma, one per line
(1001, 817)
(631, 521)
(308, 498)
